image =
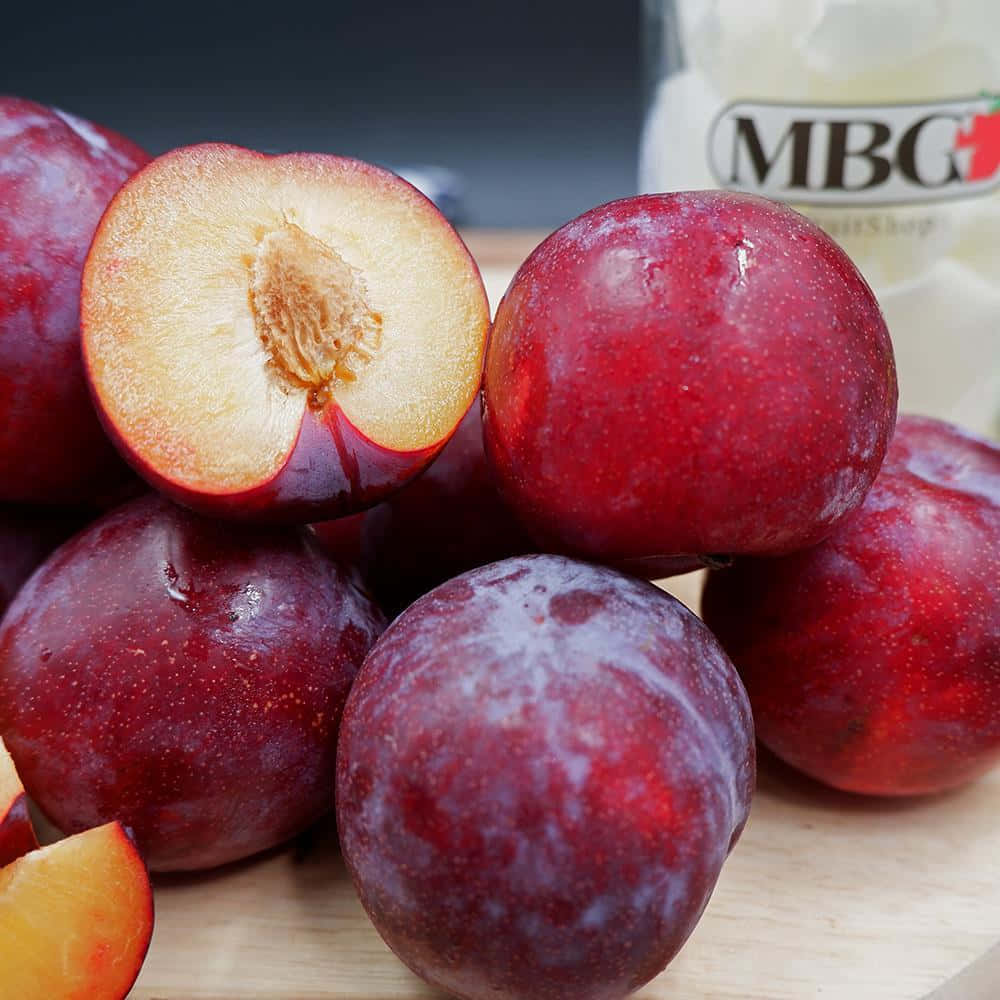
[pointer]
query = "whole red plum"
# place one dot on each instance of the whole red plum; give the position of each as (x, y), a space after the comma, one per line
(682, 376)
(184, 677)
(57, 175)
(542, 766)
(873, 660)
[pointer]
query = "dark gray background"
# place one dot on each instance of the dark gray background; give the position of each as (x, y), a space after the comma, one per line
(536, 104)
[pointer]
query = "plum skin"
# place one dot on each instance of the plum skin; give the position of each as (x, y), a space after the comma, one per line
(541, 768)
(184, 677)
(682, 375)
(57, 175)
(873, 660)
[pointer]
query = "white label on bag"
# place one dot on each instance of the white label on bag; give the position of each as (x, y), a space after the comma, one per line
(858, 154)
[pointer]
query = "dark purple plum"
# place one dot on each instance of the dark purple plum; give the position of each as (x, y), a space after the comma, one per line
(873, 659)
(542, 767)
(57, 175)
(185, 677)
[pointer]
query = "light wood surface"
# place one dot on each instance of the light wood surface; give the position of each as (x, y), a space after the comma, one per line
(979, 981)
(826, 897)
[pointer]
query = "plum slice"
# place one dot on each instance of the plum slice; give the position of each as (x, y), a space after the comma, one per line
(17, 835)
(76, 918)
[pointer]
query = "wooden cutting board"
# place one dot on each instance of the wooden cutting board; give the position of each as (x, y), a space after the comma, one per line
(826, 897)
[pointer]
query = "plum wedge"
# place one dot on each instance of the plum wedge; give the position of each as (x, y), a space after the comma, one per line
(17, 835)
(76, 918)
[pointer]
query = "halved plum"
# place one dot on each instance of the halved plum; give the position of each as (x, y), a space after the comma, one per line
(279, 337)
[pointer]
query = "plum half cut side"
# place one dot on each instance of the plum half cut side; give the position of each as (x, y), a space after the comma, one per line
(279, 337)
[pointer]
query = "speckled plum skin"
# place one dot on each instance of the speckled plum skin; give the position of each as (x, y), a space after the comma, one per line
(683, 375)
(542, 766)
(873, 660)
(185, 677)
(57, 174)
(448, 520)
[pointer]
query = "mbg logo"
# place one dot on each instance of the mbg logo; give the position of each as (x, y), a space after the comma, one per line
(858, 154)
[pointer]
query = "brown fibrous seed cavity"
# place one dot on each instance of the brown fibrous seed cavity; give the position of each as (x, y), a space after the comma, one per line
(310, 310)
